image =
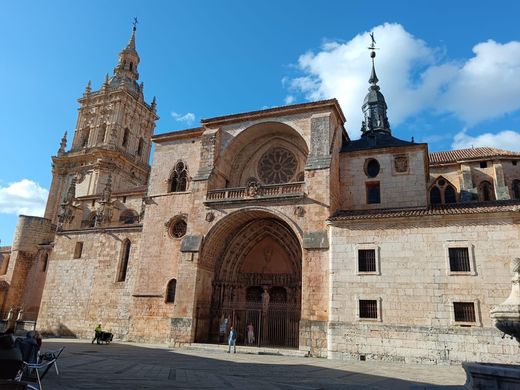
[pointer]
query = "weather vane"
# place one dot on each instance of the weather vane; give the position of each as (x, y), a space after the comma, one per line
(373, 44)
(134, 23)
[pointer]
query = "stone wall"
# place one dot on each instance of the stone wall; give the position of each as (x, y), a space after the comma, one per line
(397, 189)
(82, 292)
(416, 290)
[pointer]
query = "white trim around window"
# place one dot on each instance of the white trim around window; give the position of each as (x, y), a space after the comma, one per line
(471, 253)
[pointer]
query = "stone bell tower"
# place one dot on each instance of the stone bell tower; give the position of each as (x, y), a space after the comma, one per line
(112, 138)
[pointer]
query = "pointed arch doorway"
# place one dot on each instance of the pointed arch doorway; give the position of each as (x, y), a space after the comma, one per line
(257, 283)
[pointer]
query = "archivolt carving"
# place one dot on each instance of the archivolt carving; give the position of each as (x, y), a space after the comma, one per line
(228, 266)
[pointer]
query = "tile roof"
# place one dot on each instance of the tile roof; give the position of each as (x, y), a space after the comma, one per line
(452, 156)
(451, 209)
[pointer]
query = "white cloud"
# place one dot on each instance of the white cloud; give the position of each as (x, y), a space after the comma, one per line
(23, 197)
(487, 85)
(188, 118)
(413, 77)
(506, 139)
(289, 99)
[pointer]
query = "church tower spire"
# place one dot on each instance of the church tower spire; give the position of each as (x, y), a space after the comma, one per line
(374, 107)
(126, 67)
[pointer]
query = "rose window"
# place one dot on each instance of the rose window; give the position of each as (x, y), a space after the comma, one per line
(178, 229)
(277, 165)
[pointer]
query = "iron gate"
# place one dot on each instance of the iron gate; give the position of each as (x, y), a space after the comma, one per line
(278, 326)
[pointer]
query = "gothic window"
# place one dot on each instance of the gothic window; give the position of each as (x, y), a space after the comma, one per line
(102, 133)
(179, 178)
(178, 228)
(373, 192)
(126, 134)
(442, 191)
(435, 195)
(123, 263)
(372, 167)
(301, 176)
(464, 311)
(140, 147)
(516, 189)
(486, 191)
(129, 217)
(368, 309)
(170, 291)
(131, 66)
(277, 165)
(449, 194)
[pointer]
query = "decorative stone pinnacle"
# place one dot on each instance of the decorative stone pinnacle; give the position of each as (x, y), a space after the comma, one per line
(154, 104)
(63, 145)
(88, 88)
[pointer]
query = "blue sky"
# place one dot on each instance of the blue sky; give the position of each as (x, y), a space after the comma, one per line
(450, 70)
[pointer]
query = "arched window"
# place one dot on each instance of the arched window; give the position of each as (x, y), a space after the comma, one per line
(129, 217)
(486, 191)
(170, 291)
(86, 136)
(101, 133)
(516, 189)
(123, 264)
(131, 66)
(449, 194)
(442, 191)
(435, 195)
(179, 178)
(140, 147)
(126, 134)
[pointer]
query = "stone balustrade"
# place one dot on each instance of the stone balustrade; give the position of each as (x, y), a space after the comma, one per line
(259, 192)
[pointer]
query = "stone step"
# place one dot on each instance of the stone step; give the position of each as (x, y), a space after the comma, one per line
(247, 349)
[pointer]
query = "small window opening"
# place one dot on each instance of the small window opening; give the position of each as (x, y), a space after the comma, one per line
(170, 291)
(125, 137)
(367, 260)
(140, 147)
(372, 168)
(483, 164)
(464, 311)
(459, 260)
(45, 262)
(368, 309)
(373, 193)
(123, 266)
(78, 250)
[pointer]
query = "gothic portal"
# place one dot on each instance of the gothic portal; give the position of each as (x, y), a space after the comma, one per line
(257, 281)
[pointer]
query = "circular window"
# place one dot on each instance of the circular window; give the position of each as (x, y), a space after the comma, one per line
(178, 229)
(372, 168)
(441, 182)
(277, 165)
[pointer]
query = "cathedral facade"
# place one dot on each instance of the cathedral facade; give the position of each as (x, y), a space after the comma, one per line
(350, 249)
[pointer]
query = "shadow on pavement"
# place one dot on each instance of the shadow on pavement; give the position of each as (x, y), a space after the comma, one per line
(123, 366)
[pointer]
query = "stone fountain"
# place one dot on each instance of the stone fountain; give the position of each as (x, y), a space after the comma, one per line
(506, 318)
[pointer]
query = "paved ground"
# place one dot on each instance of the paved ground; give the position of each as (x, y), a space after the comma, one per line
(138, 366)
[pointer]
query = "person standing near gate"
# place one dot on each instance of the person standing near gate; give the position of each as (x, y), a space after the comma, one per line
(232, 340)
(250, 334)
